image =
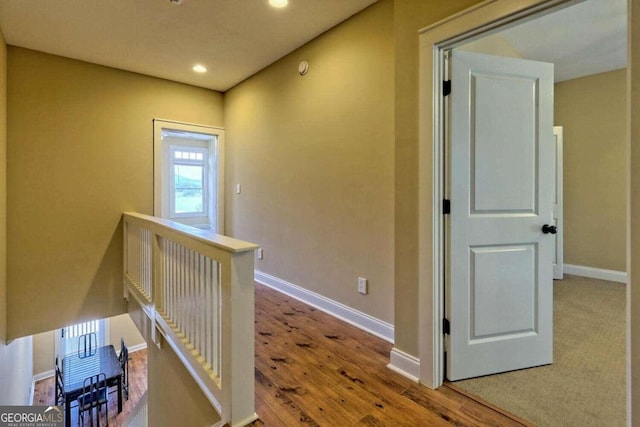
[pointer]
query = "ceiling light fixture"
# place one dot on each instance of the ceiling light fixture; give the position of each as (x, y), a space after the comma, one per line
(199, 68)
(279, 3)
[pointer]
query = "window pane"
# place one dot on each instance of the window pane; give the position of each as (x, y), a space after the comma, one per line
(189, 201)
(188, 176)
(188, 189)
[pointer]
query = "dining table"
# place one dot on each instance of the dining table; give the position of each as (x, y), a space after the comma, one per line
(78, 366)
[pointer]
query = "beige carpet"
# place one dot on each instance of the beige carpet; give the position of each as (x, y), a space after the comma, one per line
(585, 386)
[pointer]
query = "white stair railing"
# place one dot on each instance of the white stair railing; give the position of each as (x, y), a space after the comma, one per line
(197, 287)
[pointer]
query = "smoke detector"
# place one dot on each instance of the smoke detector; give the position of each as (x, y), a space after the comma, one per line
(177, 2)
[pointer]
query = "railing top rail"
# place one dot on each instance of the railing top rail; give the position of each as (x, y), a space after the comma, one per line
(165, 228)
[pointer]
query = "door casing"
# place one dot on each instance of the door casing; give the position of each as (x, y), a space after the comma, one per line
(481, 20)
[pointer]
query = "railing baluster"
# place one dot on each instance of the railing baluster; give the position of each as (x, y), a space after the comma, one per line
(183, 288)
(207, 316)
(201, 317)
(169, 280)
(215, 285)
(192, 314)
(140, 258)
(176, 283)
(196, 301)
(180, 284)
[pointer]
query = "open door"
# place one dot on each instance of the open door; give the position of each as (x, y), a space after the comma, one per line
(499, 287)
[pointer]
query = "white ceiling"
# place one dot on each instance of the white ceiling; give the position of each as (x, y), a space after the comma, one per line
(237, 38)
(233, 38)
(585, 39)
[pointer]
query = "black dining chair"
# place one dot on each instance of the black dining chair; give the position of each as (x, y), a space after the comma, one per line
(123, 357)
(94, 395)
(87, 344)
(59, 396)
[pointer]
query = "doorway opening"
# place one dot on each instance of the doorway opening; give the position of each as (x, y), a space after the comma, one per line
(486, 19)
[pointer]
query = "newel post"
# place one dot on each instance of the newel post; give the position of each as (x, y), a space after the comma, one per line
(238, 338)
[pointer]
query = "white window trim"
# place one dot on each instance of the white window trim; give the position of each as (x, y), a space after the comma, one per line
(160, 177)
(206, 180)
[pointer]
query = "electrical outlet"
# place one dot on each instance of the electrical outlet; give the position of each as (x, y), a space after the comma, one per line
(362, 285)
(260, 253)
(238, 189)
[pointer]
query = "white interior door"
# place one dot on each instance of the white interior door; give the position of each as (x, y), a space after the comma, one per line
(501, 183)
(558, 254)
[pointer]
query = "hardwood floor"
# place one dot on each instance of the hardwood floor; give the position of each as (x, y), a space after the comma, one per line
(312, 369)
(44, 392)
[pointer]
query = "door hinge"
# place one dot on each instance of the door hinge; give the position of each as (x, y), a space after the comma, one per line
(446, 87)
(446, 206)
(446, 326)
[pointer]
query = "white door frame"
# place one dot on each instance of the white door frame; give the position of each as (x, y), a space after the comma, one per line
(483, 19)
(558, 208)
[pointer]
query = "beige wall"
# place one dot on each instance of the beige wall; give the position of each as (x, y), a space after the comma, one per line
(494, 44)
(123, 327)
(314, 155)
(44, 352)
(3, 189)
(79, 153)
(328, 162)
(633, 242)
(592, 111)
(409, 17)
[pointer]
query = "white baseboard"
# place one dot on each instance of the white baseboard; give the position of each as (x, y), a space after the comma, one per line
(404, 364)
(595, 273)
(44, 375)
(352, 316)
(137, 347)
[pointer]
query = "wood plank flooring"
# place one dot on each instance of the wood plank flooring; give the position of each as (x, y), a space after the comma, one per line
(45, 389)
(312, 369)
(315, 370)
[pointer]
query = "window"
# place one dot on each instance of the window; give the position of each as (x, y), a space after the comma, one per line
(68, 339)
(189, 181)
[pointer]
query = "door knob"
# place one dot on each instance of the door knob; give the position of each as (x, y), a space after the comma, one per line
(546, 229)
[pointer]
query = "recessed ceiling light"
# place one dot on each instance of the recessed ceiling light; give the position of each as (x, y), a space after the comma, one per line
(279, 3)
(199, 68)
